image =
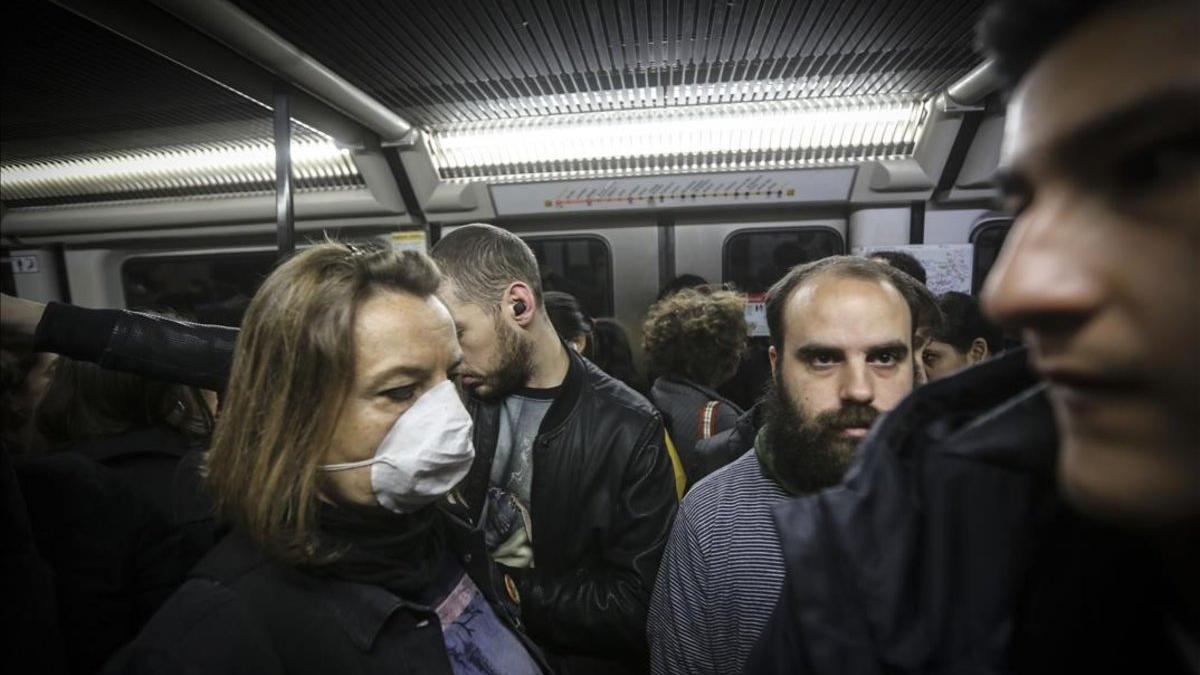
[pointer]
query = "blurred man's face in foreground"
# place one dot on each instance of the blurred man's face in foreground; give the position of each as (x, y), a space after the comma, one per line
(1102, 269)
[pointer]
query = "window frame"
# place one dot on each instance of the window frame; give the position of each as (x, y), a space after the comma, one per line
(610, 292)
(725, 253)
(191, 256)
(981, 226)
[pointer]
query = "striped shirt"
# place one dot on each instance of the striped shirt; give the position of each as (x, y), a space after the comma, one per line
(721, 574)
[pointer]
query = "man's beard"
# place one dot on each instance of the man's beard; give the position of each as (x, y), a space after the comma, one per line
(810, 455)
(514, 367)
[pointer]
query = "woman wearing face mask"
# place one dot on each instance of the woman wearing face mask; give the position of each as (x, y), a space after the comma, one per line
(341, 432)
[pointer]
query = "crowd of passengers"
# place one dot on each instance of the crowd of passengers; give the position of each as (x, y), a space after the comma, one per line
(112, 465)
(412, 463)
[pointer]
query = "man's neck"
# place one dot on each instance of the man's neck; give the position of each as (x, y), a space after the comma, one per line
(550, 359)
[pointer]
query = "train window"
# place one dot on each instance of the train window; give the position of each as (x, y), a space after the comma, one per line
(754, 259)
(988, 238)
(579, 265)
(209, 288)
(8, 282)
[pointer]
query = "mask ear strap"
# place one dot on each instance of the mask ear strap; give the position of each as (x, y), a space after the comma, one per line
(349, 465)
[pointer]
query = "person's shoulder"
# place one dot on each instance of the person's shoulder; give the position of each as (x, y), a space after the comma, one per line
(715, 496)
(204, 627)
(147, 443)
(612, 393)
(68, 488)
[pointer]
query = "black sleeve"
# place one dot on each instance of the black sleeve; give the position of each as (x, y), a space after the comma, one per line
(779, 649)
(163, 349)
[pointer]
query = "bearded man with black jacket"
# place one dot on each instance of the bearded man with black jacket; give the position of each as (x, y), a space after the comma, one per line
(574, 463)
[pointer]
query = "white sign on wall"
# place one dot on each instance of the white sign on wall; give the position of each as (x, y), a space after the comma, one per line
(24, 264)
(756, 315)
(948, 267)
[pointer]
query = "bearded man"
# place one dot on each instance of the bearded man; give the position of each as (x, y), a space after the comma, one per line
(573, 480)
(842, 333)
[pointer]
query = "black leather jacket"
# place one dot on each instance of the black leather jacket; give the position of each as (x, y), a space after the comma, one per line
(603, 499)
(603, 495)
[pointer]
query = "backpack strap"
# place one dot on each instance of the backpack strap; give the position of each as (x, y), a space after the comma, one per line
(708, 419)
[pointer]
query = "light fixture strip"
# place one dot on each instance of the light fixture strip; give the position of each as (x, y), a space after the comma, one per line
(200, 169)
(738, 136)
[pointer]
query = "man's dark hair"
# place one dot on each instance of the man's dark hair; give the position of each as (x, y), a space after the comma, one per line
(1015, 33)
(903, 262)
(922, 305)
(481, 260)
(962, 322)
(681, 282)
(566, 315)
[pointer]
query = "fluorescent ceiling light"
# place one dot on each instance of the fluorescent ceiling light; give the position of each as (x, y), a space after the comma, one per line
(681, 139)
(206, 169)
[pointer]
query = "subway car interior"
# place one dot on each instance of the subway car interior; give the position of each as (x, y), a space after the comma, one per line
(139, 163)
(173, 174)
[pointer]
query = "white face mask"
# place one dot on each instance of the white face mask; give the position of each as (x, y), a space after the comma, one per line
(424, 455)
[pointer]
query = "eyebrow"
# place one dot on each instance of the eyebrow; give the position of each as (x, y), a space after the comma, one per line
(1102, 134)
(898, 347)
(808, 351)
(1174, 100)
(818, 349)
(415, 372)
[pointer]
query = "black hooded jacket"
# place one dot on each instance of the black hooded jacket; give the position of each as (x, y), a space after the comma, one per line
(947, 549)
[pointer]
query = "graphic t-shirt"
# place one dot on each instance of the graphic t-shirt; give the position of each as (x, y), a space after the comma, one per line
(510, 530)
(520, 418)
(477, 641)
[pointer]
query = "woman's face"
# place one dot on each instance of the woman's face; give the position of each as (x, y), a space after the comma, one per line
(403, 346)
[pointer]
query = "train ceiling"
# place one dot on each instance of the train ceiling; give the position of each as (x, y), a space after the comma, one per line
(545, 89)
(89, 116)
(441, 62)
(472, 71)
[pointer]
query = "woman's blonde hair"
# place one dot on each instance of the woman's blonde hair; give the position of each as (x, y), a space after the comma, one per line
(292, 370)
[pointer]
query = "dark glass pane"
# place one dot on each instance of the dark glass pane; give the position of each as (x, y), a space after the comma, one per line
(581, 266)
(753, 260)
(8, 283)
(988, 240)
(212, 288)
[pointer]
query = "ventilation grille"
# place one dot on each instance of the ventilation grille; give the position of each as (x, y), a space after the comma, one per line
(443, 62)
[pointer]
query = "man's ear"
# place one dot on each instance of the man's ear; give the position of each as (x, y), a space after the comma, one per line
(519, 303)
(978, 352)
(773, 356)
